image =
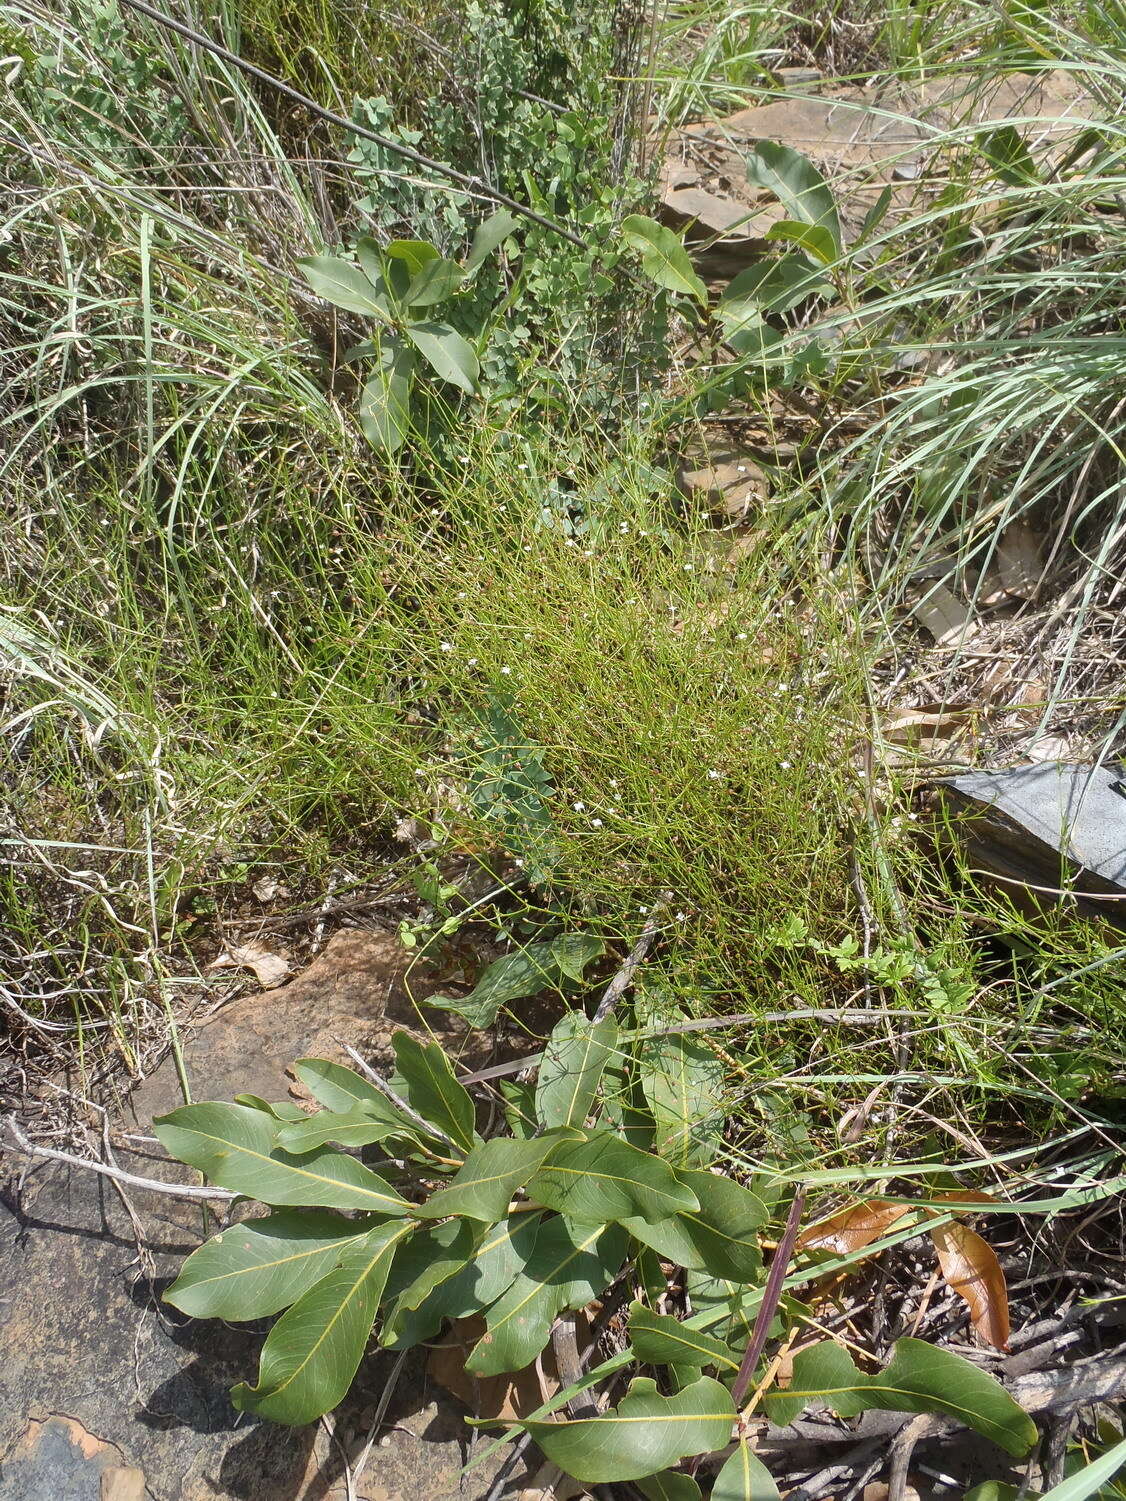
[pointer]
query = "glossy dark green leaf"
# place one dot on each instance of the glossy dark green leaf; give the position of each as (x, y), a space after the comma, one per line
(660, 1340)
(499, 1258)
(430, 1257)
(604, 1178)
(234, 1145)
(572, 1263)
(351, 1128)
(744, 1478)
(489, 236)
(796, 183)
(571, 1068)
(260, 1266)
(431, 1089)
(490, 1175)
(644, 1433)
(314, 1350)
(919, 1378)
(342, 283)
(448, 354)
(663, 256)
(720, 1236)
(529, 970)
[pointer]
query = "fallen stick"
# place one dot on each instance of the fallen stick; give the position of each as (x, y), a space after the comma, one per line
(170, 1190)
(624, 978)
(396, 1099)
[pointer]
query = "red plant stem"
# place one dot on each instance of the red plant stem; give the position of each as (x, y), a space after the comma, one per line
(771, 1297)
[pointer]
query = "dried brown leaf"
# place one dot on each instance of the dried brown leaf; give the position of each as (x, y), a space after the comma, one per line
(270, 969)
(949, 621)
(852, 1229)
(1020, 560)
(971, 1269)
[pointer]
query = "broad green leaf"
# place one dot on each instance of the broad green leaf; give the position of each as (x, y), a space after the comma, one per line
(744, 1478)
(342, 1089)
(415, 254)
(919, 1378)
(670, 1485)
(526, 972)
(817, 239)
(624, 1109)
(260, 1266)
(488, 1178)
(772, 285)
(663, 256)
(572, 1263)
(343, 284)
(437, 280)
(353, 1128)
(796, 183)
(490, 234)
(431, 1256)
(281, 1110)
(314, 1350)
(722, 1305)
(682, 1080)
(519, 1107)
(234, 1146)
(1005, 151)
(503, 1252)
(659, 1340)
(604, 1178)
(757, 344)
(369, 253)
(431, 1089)
(573, 952)
(1091, 1478)
(384, 409)
(571, 1068)
(720, 1236)
(644, 1433)
(449, 355)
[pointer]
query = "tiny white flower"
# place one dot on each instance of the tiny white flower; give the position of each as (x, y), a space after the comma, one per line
(596, 823)
(613, 781)
(643, 910)
(785, 765)
(579, 807)
(783, 687)
(742, 636)
(689, 567)
(521, 466)
(713, 776)
(461, 594)
(624, 526)
(447, 646)
(682, 917)
(472, 662)
(505, 671)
